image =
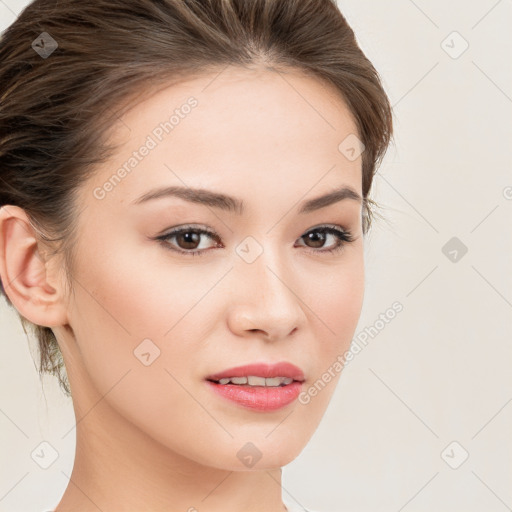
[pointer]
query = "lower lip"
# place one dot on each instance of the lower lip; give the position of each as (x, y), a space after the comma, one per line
(260, 398)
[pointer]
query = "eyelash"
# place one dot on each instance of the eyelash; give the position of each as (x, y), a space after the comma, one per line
(344, 237)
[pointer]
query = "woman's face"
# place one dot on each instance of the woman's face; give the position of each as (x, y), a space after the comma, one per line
(150, 322)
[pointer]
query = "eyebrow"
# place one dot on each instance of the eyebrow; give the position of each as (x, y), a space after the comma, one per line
(232, 204)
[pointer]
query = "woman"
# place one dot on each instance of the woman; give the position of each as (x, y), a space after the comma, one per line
(185, 194)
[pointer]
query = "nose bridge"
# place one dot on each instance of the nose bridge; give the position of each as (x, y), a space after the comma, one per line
(265, 266)
(265, 288)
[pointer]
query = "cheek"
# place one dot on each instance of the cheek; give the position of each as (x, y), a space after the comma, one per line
(335, 301)
(136, 292)
(343, 305)
(123, 300)
(117, 308)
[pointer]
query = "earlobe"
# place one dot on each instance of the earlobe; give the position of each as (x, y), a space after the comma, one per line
(24, 272)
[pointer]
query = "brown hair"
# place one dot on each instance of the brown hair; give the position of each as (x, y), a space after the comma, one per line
(55, 109)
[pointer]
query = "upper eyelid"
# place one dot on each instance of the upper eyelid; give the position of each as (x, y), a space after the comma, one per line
(344, 236)
(208, 231)
(215, 237)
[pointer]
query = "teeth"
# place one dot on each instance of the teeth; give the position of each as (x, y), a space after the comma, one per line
(273, 381)
(255, 381)
(252, 380)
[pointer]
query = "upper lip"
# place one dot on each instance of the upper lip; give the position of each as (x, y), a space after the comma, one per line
(281, 369)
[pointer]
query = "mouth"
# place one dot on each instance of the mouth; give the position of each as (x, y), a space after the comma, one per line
(262, 387)
(254, 380)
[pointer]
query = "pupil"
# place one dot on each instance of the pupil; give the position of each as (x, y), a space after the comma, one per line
(190, 238)
(317, 238)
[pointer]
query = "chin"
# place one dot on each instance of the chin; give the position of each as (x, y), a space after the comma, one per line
(254, 453)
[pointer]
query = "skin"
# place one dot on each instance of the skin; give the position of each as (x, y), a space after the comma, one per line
(156, 437)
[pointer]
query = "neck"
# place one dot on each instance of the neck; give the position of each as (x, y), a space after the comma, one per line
(118, 467)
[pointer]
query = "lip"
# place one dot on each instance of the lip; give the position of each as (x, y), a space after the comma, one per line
(259, 398)
(281, 369)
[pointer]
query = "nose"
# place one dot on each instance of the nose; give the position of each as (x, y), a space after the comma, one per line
(266, 301)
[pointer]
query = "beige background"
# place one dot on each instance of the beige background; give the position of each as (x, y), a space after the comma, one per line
(439, 372)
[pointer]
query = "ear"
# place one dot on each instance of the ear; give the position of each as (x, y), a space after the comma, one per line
(26, 276)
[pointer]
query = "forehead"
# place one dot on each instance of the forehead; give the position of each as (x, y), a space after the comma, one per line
(238, 128)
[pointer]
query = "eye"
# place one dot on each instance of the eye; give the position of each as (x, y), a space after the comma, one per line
(188, 239)
(318, 237)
